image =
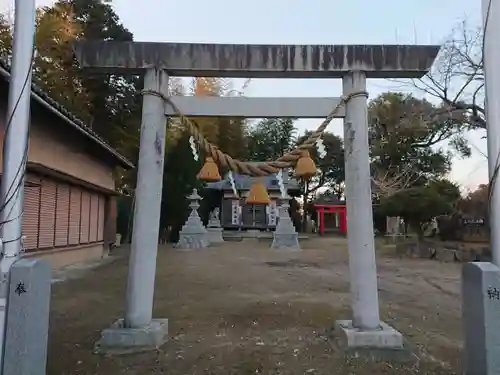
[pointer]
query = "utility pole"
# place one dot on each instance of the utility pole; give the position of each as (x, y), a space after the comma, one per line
(15, 150)
(491, 57)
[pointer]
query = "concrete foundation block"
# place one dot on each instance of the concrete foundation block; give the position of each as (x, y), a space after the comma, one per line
(214, 235)
(118, 339)
(192, 241)
(445, 255)
(385, 337)
(385, 343)
(286, 241)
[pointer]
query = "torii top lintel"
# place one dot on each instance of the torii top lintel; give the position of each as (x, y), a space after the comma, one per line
(259, 61)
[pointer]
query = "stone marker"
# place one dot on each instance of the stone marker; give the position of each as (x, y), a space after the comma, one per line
(481, 316)
(27, 318)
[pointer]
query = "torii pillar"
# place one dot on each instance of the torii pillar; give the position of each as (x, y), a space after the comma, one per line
(352, 63)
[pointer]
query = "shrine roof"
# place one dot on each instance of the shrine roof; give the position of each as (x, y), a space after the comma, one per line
(244, 182)
(328, 201)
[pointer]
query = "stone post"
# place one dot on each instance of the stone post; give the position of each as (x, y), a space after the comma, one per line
(28, 317)
(491, 55)
(362, 266)
(148, 195)
(138, 330)
(481, 318)
(365, 330)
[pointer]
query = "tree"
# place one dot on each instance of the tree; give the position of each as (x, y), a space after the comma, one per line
(180, 178)
(475, 204)
(55, 30)
(178, 181)
(112, 104)
(446, 189)
(457, 76)
(107, 103)
(211, 86)
(228, 134)
(331, 171)
(5, 38)
(270, 138)
(404, 135)
(54, 70)
(113, 99)
(419, 205)
(231, 138)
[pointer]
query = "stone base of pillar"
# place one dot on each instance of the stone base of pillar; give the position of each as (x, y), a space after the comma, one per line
(118, 339)
(214, 235)
(383, 343)
(192, 241)
(286, 241)
(193, 235)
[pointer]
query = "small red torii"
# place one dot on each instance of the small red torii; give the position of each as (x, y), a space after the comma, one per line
(331, 208)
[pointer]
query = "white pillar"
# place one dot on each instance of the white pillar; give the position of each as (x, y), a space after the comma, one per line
(362, 266)
(142, 268)
(491, 23)
(15, 149)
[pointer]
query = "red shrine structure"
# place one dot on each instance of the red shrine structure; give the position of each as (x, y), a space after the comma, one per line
(324, 206)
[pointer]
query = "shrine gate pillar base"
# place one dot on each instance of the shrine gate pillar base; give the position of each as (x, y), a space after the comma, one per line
(365, 330)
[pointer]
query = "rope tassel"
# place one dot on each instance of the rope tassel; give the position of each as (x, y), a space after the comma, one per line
(305, 168)
(258, 194)
(209, 172)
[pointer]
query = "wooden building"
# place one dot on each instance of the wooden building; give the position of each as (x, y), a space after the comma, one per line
(69, 196)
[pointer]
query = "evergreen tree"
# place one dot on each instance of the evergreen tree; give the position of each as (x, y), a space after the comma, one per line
(179, 179)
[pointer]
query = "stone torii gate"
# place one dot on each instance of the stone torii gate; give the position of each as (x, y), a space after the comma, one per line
(352, 63)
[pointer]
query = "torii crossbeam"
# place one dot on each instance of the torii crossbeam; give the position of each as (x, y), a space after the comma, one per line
(158, 61)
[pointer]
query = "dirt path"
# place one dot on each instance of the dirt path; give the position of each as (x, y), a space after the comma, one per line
(245, 309)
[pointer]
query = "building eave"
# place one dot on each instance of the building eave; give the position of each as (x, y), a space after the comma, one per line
(45, 100)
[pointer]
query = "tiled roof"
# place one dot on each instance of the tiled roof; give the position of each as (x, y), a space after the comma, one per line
(328, 200)
(43, 98)
(243, 182)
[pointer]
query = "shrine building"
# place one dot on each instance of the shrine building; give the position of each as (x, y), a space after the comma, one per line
(236, 214)
(331, 215)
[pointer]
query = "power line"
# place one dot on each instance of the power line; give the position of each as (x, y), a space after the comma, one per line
(8, 127)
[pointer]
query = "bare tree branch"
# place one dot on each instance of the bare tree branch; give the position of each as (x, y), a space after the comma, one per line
(457, 76)
(389, 181)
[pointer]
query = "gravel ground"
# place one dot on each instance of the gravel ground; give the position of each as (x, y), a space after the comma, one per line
(241, 308)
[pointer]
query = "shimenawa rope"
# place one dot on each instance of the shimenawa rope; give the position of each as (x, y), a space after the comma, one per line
(252, 169)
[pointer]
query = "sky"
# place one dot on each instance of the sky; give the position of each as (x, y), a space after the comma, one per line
(308, 22)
